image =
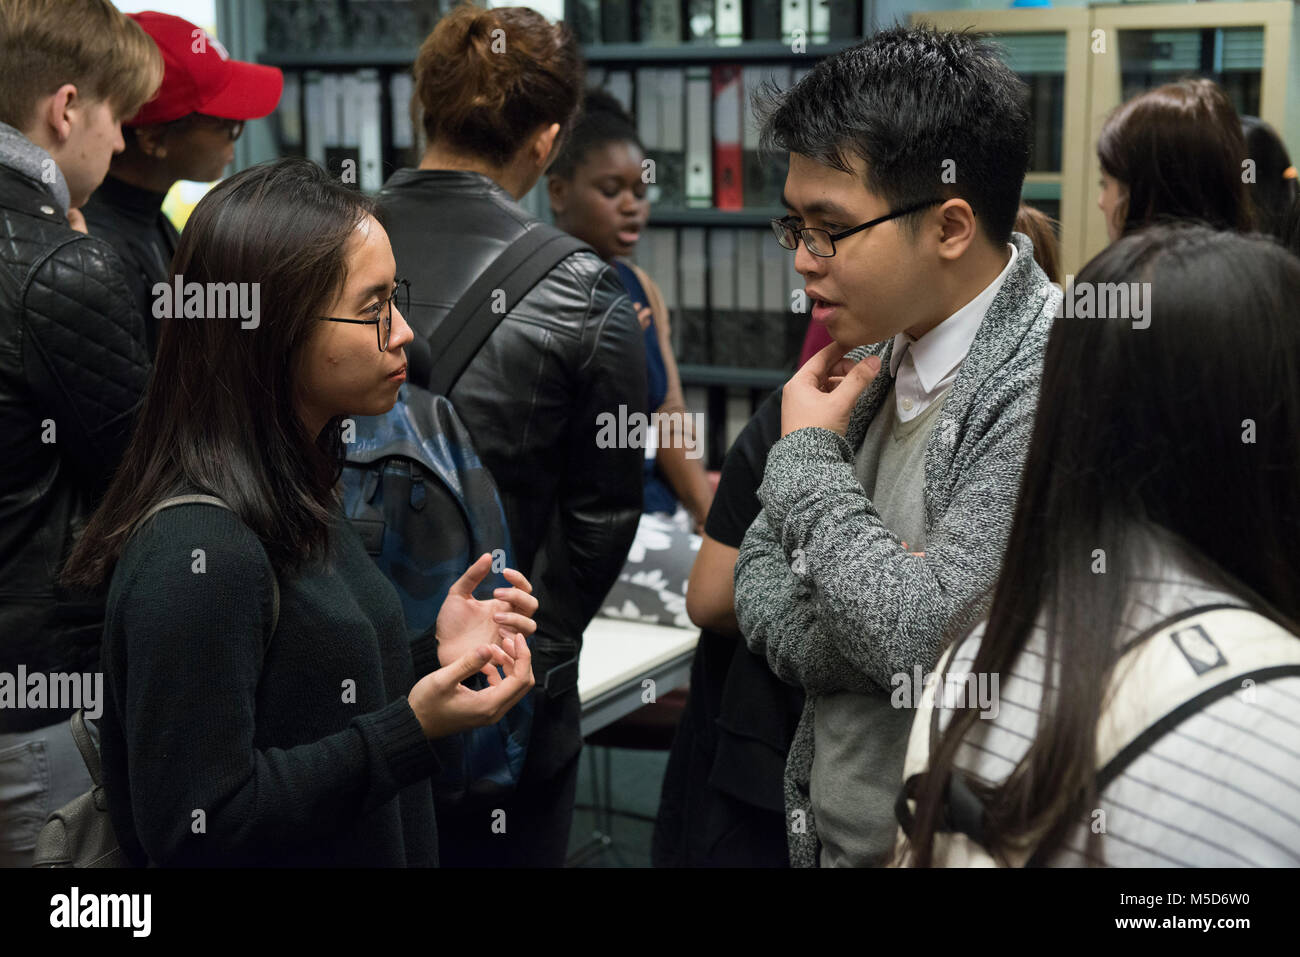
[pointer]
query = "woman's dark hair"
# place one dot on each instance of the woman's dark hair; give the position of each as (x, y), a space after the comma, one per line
(1041, 230)
(602, 120)
(912, 104)
(1274, 188)
(1179, 151)
(219, 412)
(1154, 436)
(485, 79)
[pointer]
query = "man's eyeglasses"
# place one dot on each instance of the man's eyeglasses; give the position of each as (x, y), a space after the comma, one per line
(821, 242)
(383, 312)
(232, 128)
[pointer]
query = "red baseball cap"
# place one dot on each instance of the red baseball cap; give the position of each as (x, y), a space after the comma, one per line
(200, 77)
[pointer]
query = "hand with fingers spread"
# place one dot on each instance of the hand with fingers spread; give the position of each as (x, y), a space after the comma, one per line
(465, 622)
(823, 393)
(443, 705)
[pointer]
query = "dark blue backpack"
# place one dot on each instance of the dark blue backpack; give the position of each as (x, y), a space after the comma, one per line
(426, 507)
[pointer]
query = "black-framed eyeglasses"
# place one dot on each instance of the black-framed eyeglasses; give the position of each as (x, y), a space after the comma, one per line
(383, 321)
(821, 242)
(232, 128)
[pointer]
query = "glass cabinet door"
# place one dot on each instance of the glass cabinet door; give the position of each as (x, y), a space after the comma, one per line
(1241, 46)
(1047, 49)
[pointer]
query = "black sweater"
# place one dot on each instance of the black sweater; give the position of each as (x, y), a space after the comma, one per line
(311, 757)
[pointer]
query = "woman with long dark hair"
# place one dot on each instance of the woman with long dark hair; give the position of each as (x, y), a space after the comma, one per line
(1175, 152)
(264, 704)
(1162, 478)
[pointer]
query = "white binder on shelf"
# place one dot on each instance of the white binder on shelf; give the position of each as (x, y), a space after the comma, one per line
(820, 20)
(699, 141)
(401, 88)
(728, 23)
(794, 17)
(316, 118)
(647, 125)
(618, 83)
(671, 172)
(371, 146)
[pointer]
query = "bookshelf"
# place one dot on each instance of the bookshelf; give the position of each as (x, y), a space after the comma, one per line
(728, 285)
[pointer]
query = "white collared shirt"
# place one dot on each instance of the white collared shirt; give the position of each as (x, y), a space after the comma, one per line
(923, 368)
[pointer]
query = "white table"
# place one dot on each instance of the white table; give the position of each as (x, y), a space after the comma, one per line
(617, 657)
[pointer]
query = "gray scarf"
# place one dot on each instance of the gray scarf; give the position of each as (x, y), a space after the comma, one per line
(23, 156)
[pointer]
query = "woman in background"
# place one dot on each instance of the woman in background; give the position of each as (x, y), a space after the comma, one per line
(1175, 152)
(597, 193)
(1041, 230)
(1273, 187)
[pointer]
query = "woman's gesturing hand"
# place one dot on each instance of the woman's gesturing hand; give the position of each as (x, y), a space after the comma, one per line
(465, 622)
(444, 706)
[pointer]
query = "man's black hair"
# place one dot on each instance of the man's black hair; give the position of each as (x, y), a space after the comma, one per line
(905, 100)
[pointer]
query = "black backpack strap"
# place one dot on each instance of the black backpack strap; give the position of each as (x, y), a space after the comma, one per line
(515, 271)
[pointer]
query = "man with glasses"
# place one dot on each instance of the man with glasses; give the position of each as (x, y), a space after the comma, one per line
(888, 499)
(187, 131)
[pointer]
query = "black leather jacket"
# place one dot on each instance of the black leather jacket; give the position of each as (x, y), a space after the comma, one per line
(569, 350)
(73, 368)
(131, 220)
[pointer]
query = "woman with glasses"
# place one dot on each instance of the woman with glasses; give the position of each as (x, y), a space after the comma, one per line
(187, 131)
(263, 704)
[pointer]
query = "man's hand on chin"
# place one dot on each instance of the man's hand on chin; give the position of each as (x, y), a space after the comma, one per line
(823, 393)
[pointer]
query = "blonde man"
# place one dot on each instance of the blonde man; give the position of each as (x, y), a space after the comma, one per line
(73, 367)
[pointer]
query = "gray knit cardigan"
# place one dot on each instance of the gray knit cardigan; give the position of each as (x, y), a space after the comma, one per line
(828, 594)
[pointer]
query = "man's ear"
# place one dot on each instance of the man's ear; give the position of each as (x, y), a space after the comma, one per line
(957, 228)
(55, 116)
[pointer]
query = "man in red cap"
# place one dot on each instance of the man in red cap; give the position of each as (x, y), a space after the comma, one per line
(187, 131)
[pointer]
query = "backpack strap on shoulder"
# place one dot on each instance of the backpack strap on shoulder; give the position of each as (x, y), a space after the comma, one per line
(1168, 672)
(462, 332)
(199, 499)
(1192, 661)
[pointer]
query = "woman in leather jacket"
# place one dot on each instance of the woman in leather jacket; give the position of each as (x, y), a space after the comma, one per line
(497, 90)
